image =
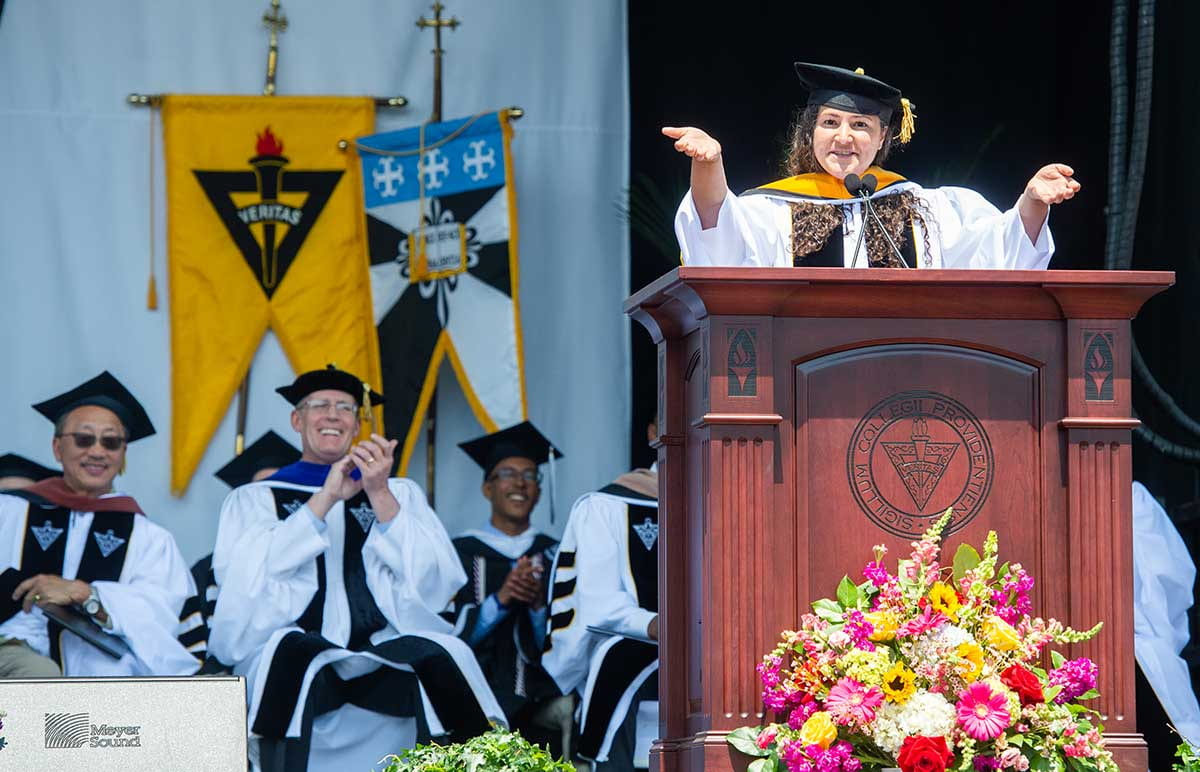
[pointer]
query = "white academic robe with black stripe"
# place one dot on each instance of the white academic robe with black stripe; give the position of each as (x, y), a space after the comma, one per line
(267, 573)
(143, 604)
(966, 231)
(594, 585)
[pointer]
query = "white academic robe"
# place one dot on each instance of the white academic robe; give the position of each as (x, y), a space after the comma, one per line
(605, 595)
(965, 232)
(266, 572)
(1163, 574)
(143, 605)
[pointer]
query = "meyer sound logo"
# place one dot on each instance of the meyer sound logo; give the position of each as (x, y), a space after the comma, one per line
(75, 730)
(67, 730)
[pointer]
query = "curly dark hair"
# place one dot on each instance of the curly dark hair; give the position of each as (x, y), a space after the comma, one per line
(812, 224)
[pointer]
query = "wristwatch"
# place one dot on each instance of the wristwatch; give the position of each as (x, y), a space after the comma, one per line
(91, 606)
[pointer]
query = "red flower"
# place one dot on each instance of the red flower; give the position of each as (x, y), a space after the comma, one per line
(1024, 683)
(924, 754)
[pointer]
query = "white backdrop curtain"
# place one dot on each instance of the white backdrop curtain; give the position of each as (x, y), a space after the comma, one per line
(75, 210)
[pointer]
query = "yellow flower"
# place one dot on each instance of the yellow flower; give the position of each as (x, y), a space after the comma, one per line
(885, 625)
(1000, 634)
(819, 729)
(943, 598)
(972, 656)
(898, 684)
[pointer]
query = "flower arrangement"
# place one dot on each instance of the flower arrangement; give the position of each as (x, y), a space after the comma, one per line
(494, 751)
(930, 669)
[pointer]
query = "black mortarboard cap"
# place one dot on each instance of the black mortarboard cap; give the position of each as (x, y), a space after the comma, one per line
(329, 378)
(12, 465)
(268, 451)
(105, 391)
(522, 441)
(848, 90)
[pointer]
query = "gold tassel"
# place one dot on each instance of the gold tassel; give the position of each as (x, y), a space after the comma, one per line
(366, 406)
(908, 126)
(152, 295)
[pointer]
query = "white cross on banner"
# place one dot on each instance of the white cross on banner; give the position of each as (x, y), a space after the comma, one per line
(441, 231)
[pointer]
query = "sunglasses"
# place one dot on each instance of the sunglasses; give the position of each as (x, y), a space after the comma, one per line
(85, 440)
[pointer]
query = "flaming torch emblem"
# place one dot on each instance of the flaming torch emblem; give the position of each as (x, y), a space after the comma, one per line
(268, 165)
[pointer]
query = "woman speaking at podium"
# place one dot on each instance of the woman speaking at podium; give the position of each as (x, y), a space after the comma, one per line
(816, 217)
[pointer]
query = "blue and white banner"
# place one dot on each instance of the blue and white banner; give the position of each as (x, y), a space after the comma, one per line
(442, 236)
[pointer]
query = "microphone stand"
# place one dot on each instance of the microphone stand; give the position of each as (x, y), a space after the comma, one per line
(854, 186)
(879, 222)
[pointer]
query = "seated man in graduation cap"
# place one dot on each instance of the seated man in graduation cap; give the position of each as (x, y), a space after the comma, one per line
(501, 611)
(258, 461)
(20, 472)
(604, 620)
(78, 550)
(332, 575)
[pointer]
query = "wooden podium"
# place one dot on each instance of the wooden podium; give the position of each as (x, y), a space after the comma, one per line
(807, 414)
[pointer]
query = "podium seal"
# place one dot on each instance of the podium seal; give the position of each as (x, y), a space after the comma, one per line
(913, 455)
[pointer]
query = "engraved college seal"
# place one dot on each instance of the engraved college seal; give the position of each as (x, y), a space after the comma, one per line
(913, 455)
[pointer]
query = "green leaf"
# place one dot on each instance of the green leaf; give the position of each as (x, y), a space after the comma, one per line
(1039, 763)
(847, 593)
(965, 559)
(761, 765)
(828, 610)
(745, 739)
(1057, 659)
(1090, 694)
(1050, 692)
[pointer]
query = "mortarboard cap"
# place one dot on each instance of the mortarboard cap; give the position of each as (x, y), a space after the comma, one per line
(522, 440)
(105, 391)
(854, 91)
(268, 451)
(329, 378)
(12, 465)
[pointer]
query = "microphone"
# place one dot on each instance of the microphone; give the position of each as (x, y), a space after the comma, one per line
(864, 187)
(854, 183)
(854, 186)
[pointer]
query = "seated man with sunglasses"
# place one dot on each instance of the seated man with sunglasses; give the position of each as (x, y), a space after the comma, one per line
(502, 609)
(72, 544)
(331, 574)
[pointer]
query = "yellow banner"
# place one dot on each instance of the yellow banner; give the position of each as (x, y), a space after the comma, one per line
(264, 229)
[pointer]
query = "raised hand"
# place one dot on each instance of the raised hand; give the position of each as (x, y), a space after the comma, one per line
(1053, 184)
(694, 143)
(339, 485)
(374, 459)
(521, 586)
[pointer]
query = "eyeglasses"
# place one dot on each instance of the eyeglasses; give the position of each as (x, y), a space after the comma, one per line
(85, 440)
(322, 405)
(510, 475)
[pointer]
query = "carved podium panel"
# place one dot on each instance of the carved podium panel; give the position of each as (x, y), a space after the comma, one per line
(806, 415)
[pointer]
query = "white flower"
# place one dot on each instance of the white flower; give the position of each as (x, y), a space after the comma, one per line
(925, 713)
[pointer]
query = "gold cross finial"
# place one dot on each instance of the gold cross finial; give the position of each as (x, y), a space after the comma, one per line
(437, 23)
(274, 20)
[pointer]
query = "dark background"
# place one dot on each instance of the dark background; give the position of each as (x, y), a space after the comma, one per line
(999, 90)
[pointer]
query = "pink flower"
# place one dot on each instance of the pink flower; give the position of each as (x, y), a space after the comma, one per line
(876, 573)
(982, 713)
(928, 620)
(767, 737)
(851, 702)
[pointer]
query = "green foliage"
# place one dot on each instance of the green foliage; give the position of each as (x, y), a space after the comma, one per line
(1189, 758)
(847, 593)
(496, 751)
(745, 739)
(965, 559)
